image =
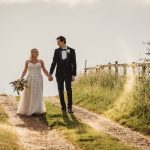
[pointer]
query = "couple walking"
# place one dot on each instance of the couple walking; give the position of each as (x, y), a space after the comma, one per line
(64, 60)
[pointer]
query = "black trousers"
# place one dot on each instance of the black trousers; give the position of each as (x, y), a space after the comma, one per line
(60, 81)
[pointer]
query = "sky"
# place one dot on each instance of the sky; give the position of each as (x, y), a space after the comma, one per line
(100, 31)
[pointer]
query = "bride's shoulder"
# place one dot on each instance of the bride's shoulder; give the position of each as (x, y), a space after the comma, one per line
(27, 62)
(41, 61)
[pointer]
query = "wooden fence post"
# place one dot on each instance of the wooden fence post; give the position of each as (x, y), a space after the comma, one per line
(148, 69)
(85, 68)
(133, 68)
(101, 69)
(97, 69)
(124, 69)
(109, 68)
(143, 69)
(116, 67)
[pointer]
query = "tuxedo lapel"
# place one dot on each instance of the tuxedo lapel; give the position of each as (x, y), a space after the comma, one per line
(60, 55)
(68, 56)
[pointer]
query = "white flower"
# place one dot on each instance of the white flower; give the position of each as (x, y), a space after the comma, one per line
(68, 51)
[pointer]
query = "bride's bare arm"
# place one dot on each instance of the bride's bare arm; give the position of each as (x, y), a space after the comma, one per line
(25, 70)
(44, 69)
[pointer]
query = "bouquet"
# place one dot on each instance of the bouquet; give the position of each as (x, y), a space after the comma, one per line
(19, 85)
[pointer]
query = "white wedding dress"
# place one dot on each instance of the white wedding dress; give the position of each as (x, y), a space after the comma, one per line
(31, 100)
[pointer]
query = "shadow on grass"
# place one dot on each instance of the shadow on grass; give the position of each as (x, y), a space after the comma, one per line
(34, 122)
(68, 121)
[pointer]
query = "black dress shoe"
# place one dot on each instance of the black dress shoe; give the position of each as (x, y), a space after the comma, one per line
(64, 111)
(34, 115)
(70, 111)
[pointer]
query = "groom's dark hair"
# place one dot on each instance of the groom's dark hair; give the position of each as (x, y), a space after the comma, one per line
(62, 39)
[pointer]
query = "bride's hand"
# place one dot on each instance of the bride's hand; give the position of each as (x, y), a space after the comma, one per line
(21, 78)
(50, 78)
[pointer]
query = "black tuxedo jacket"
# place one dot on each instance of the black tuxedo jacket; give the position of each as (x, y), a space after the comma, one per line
(68, 67)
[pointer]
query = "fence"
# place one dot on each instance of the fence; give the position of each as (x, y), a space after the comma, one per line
(134, 67)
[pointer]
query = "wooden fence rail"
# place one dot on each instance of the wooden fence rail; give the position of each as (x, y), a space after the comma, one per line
(135, 67)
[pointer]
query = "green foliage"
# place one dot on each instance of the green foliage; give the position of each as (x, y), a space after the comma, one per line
(134, 110)
(17, 98)
(97, 92)
(105, 94)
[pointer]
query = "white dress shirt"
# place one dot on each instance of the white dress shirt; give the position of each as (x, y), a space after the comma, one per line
(64, 53)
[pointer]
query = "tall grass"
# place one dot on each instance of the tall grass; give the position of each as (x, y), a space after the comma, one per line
(97, 91)
(3, 115)
(8, 136)
(126, 100)
(133, 110)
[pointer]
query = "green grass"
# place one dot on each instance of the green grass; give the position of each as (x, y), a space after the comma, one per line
(134, 109)
(81, 135)
(97, 92)
(8, 138)
(103, 93)
(17, 98)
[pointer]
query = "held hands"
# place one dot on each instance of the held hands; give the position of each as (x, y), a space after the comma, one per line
(73, 78)
(50, 78)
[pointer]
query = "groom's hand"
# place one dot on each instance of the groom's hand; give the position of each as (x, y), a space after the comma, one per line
(50, 78)
(73, 78)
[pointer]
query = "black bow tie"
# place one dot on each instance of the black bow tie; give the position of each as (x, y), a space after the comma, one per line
(63, 49)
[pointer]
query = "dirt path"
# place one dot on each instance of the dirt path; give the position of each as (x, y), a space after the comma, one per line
(101, 123)
(33, 132)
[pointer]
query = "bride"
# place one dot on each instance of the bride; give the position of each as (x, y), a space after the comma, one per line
(31, 102)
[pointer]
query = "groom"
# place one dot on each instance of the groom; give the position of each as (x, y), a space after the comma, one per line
(65, 60)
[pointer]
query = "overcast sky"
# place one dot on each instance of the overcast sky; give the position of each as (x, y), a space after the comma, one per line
(101, 31)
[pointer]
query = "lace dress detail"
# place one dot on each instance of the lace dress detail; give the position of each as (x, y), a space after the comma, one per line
(31, 100)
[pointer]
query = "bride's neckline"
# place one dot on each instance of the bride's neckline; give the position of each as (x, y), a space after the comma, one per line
(34, 63)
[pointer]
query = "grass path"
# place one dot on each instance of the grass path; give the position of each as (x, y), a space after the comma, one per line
(33, 132)
(101, 123)
(53, 131)
(80, 134)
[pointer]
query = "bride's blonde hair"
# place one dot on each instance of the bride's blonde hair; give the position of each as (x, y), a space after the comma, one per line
(32, 51)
